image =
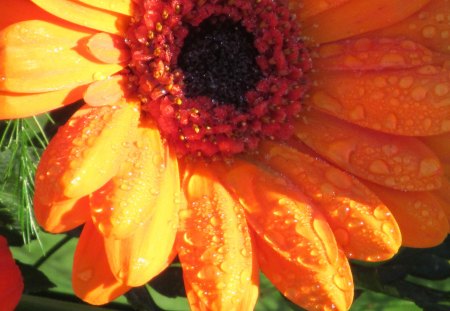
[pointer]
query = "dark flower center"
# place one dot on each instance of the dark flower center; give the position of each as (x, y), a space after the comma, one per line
(218, 61)
(217, 76)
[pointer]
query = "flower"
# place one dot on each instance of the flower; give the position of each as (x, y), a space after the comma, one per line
(155, 165)
(11, 284)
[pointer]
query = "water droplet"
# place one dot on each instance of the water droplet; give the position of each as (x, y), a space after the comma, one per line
(381, 213)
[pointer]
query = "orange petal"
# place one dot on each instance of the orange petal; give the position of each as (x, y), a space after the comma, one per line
(129, 199)
(61, 216)
(19, 10)
(119, 6)
(307, 8)
(419, 215)
(85, 15)
(373, 54)
(440, 145)
(443, 194)
(397, 162)
(19, 105)
(38, 56)
(11, 283)
(108, 48)
(105, 92)
(356, 17)
(362, 225)
(149, 250)
(298, 249)
(214, 246)
(85, 152)
(92, 279)
(412, 102)
(429, 26)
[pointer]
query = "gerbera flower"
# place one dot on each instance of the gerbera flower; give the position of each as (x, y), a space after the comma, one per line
(11, 283)
(221, 132)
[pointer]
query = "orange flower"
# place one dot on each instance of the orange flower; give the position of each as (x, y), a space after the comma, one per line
(11, 284)
(292, 192)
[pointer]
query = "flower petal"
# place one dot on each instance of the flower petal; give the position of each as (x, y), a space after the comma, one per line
(307, 8)
(419, 215)
(214, 246)
(74, 163)
(130, 198)
(11, 283)
(356, 17)
(105, 92)
(149, 250)
(362, 225)
(119, 6)
(38, 56)
(108, 48)
(20, 10)
(62, 216)
(413, 102)
(19, 105)
(443, 194)
(429, 26)
(92, 279)
(397, 162)
(85, 15)
(440, 145)
(297, 247)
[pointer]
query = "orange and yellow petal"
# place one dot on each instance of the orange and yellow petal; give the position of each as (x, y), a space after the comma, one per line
(74, 163)
(363, 226)
(86, 15)
(119, 6)
(38, 56)
(146, 174)
(214, 246)
(92, 279)
(296, 247)
(403, 163)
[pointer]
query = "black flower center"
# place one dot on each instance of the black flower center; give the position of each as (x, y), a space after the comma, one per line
(218, 61)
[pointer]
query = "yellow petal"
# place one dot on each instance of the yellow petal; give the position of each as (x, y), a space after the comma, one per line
(297, 247)
(130, 198)
(362, 225)
(119, 6)
(397, 162)
(149, 250)
(214, 246)
(85, 15)
(38, 56)
(356, 17)
(92, 279)
(85, 152)
(419, 215)
(19, 105)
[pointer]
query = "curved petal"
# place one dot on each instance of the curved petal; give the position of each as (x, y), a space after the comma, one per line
(149, 250)
(413, 102)
(430, 27)
(19, 10)
(397, 162)
(419, 215)
(20, 105)
(11, 283)
(131, 197)
(119, 6)
(356, 17)
(308, 8)
(214, 246)
(37, 56)
(297, 247)
(443, 194)
(108, 48)
(440, 145)
(74, 163)
(105, 92)
(92, 279)
(362, 225)
(62, 216)
(85, 15)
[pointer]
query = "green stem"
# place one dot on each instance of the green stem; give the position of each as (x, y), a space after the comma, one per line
(51, 251)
